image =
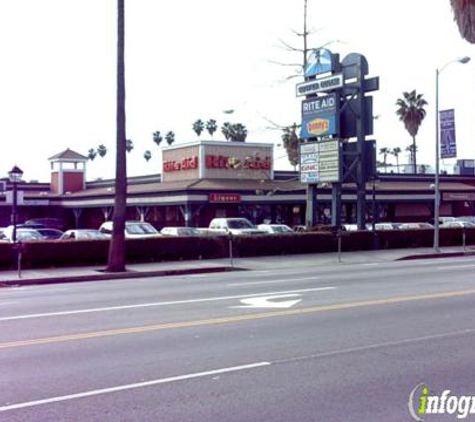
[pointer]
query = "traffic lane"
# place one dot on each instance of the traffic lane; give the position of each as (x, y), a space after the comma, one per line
(71, 293)
(51, 370)
(206, 309)
(145, 291)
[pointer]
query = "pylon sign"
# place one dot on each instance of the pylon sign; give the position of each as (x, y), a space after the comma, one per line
(319, 61)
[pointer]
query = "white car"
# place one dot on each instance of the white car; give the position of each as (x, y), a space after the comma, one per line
(83, 234)
(180, 231)
(133, 229)
(275, 228)
(22, 235)
(236, 225)
(457, 224)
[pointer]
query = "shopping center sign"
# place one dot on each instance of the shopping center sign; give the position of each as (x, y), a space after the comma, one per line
(319, 116)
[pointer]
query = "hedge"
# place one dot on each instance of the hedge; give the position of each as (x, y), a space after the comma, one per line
(94, 252)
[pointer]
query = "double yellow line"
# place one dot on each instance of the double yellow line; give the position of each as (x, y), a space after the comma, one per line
(235, 318)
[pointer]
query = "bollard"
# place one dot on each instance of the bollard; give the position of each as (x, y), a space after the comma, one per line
(464, 234)
(231, 260)
(338, 235)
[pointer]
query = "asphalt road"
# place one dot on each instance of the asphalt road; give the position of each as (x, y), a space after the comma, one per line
(335, 343)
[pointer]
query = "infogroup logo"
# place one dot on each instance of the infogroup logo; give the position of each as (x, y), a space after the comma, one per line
(422, 403)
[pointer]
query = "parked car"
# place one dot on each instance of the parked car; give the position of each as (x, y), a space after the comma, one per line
(50, 233)
(405, 226)
(22, 234)
(275, 228)
(51, 223)
(83, 234)
(237, 226)
(180, 231)
(457, 224)
(299, 228)
(133, 229)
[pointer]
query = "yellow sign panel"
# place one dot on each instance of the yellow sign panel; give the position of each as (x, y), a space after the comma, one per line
(318, 126)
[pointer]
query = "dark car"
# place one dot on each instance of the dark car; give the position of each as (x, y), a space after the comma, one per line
(47, 222)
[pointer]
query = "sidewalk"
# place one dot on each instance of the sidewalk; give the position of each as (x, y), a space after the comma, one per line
(96, 273)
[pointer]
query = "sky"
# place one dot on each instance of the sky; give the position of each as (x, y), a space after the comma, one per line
(188, 59)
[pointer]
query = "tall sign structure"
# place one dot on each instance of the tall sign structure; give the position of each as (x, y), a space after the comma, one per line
(337, 115)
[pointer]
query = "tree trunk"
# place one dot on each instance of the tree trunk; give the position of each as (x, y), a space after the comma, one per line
(414, 154)
(116, 259)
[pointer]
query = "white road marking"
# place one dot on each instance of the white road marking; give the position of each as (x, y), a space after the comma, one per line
(256, 283)
(8, 303)
(131, 386)
(268, 301)
(455, 267)
(148, 305)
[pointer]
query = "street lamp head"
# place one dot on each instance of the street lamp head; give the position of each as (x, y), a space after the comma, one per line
(464, 60)
(15, 174)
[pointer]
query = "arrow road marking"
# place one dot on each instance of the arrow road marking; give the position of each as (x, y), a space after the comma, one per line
(267, 301)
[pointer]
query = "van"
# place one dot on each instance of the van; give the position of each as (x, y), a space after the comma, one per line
(237, 226)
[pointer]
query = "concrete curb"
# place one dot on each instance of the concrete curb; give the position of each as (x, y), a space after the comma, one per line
(114, 276)
(436, 255)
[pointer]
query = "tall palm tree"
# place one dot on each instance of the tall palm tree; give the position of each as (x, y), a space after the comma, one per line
(91, 154)
(239, 132)
(157, 138)
(129, 145)
(226, 130)
(211, 126)
(464, 14)
(198, 127)
(411, 112)
(384, 152)
(170, 138)
(396, 151)
(102, 150)
(116, 258)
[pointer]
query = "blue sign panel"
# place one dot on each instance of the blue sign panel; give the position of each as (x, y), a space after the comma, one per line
(448, 146)
(319, 61)
(319, 116)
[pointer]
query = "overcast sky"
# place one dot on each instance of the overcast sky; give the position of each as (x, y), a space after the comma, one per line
(193, 59)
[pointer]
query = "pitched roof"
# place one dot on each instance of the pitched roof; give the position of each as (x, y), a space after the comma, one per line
(68, 154)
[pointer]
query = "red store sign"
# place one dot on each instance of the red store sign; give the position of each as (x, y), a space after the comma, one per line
(224, 162)
(224, 198)
(184, 164)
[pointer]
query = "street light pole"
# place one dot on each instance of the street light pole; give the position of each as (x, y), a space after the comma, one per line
(15, 175)
(462, 60)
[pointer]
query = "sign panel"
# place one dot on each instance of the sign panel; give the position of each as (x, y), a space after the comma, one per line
(448, 147)
(319, 116)
(319, 61)
(320, 162)
(224, 198)
(325, 84)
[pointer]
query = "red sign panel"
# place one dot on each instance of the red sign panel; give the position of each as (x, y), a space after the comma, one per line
(186, 163)
(224, 198)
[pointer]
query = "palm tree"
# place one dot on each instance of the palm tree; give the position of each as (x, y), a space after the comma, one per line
(211, 126)
(198, 127)
(384, 152)
(157, 138)
(411, 112)
(226, 130)
(129, 145)
(91, 154)
(464, 14)
(116, 258)
(239, 133)
(147, 155)
(170, 138)
(396, 151)
(102, 150)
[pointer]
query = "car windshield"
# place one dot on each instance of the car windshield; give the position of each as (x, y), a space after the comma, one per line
(28, 235)
(92, 234)
(240, 224)
(140, 228)
(187, 232)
